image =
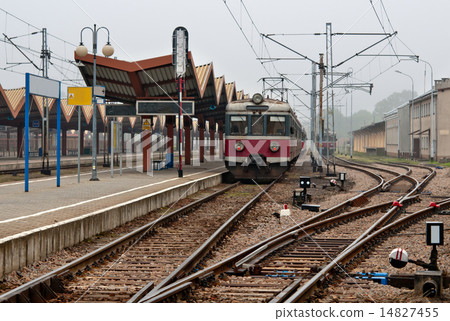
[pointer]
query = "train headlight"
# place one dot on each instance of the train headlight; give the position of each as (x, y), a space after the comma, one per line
(274, 146)
(257, 99)
(239, 146)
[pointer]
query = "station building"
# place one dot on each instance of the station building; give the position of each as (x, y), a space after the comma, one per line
(407, 131)
(412, 127)
(125, 82)
(370, 139)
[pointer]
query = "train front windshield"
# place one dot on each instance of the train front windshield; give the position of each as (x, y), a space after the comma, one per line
(276, 126)
(257, 125)
(238, 125)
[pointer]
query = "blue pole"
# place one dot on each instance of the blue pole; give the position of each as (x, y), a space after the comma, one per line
(58, 140)
(27, 125)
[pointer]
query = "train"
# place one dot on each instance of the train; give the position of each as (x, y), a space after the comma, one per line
(328, 141)
(263, 138)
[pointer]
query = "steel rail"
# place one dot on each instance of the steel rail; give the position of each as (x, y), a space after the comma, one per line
(391, 214)
(230, 263)
(397, 177)
(305, 231)
(187, 266)
(38, 289)
(407, 199)
(374, 167)
(37, 169)
(256, 253)
(301, 294)
(383, 221)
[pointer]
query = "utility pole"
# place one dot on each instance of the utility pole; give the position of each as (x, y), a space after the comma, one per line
(45, 55)
(346, 117)
(330, 46)
(313, 103)
(328, 35)
(321, 68)
(351, 124)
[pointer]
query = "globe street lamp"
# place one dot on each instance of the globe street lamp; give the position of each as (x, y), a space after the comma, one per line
(82, 51)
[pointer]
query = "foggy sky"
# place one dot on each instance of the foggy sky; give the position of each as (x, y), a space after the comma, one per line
(143, 29)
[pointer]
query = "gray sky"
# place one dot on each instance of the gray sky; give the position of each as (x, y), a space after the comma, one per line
(143, 29)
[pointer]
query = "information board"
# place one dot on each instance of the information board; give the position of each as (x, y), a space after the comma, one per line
(152, 107)
(79, 96)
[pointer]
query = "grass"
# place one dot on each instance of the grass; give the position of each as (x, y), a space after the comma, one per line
(364, 158)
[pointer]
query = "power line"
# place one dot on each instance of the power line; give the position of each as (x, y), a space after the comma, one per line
(243, 33)
(382, 26)
(36, 54)
(27, 23)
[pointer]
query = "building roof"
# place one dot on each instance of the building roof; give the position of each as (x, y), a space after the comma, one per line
(375, 127)
(155, 79)
(126, 82)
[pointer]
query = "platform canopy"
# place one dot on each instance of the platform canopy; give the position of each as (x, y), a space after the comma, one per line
(155, 79)
(12, 103)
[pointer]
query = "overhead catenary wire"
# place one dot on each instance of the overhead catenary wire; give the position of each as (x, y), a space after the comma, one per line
(66, 65)
(245, 36)
(382, 25)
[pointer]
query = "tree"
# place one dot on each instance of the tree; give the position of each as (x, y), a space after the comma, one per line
(364, 118)
(393, 101)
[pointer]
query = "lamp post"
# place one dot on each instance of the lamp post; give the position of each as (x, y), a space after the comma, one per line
(431, 113)
(412, 112)
(82, 51)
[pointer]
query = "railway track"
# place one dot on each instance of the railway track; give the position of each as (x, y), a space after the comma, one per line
(40, 290)
(14, 172)
(132, 264)
(248, 261)
(173, 280)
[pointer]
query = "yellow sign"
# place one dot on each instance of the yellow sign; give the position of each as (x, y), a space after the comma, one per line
(79, 96)
(146, 124)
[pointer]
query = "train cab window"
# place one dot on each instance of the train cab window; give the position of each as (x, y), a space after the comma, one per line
(238, 125)
(276, 126)
(257, 125)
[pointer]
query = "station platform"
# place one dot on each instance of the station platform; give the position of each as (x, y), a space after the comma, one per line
(49, 218)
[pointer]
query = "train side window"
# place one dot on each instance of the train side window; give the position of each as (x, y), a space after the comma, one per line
(276, 126)
(238, 125)
(257, 125)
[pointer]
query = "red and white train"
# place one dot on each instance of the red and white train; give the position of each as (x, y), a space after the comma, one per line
(263, 137)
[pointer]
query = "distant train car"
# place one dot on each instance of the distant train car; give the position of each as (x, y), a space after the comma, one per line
(263, 137)
(326, 144)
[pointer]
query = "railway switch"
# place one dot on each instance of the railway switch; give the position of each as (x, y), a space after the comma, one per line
(398, 258)
(397, 203)
(433, 204)
(300, 196)
(428, 283)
